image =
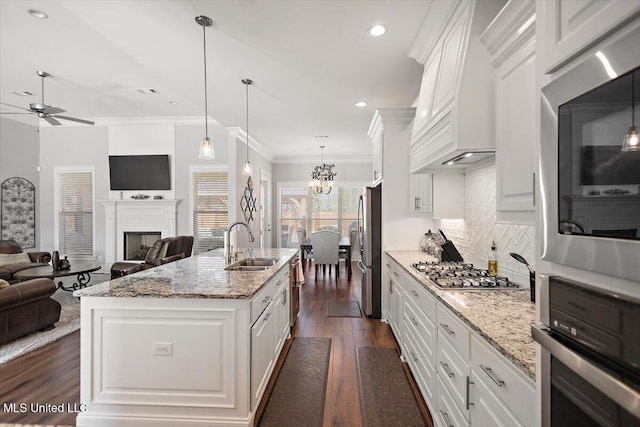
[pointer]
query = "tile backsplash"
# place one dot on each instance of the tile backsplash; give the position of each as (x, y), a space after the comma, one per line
(473, 235)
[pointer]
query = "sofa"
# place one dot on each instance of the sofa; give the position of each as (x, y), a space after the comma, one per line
(162, 251)
(13, 259)
(27, 307)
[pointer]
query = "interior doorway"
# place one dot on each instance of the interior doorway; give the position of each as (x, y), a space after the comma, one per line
(265, 209)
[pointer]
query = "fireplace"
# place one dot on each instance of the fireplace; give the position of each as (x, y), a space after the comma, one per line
(138, 243)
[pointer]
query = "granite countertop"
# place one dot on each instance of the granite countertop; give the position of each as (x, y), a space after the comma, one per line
(201, 276)
(502, 317)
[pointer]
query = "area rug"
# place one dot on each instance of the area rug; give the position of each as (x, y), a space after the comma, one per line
(343, 309)
(69, 322)
(386, 398)
(298, 396)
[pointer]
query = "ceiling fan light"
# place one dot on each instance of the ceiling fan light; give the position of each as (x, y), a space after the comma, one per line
(37, 14)
(206, 150)
(631, 141)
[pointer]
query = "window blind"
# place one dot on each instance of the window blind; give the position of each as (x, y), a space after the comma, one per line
(210, 210)
(75, 213)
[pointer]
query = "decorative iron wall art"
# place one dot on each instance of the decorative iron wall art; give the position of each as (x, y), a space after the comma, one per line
(18, 200)
(248, 202)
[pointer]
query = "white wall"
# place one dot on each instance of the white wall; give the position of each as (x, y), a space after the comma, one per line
(19, 157)
(473, 235)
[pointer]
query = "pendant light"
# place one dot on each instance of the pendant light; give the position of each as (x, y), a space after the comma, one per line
(206, 147)
(322, 176)
(247, 169)
(631, 141)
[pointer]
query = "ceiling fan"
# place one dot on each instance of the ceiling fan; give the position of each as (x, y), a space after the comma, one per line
(47, 112)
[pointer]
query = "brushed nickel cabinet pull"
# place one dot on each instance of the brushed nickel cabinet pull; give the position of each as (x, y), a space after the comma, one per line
(445, 367)
(447, 329)
(445, 418)
(467, 403)
(491, 375)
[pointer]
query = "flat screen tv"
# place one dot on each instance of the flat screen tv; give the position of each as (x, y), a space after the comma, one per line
(140, 173)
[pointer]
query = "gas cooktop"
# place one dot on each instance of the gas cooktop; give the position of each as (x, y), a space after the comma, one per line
(458, 275)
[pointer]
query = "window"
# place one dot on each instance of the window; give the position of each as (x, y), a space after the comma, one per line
(210, 206)
(302, 212)
(74, 202)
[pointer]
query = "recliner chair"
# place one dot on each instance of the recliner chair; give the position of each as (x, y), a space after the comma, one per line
(163, 251)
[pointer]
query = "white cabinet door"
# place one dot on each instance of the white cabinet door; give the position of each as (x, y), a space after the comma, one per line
(281, 313)
(516, 100)
(486, 409)
(571, 26)
(262, 352)
(420, 193)
(377, 159)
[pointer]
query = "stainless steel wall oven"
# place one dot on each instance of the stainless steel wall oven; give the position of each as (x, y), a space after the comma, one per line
(590, 366)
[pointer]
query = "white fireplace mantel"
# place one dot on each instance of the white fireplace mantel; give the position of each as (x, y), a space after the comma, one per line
(136, 215)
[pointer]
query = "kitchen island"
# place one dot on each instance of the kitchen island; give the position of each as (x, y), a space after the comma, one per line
(186, 343)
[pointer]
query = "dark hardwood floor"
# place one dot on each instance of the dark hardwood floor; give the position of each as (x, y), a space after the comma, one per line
(52, 374)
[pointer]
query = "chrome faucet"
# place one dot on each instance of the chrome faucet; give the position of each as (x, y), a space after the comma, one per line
(228, 250)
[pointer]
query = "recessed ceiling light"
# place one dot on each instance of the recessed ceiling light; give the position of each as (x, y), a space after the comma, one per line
(361, 104)
(147, 91)
(173, 103)
(21, 92)
(450, 162)
(38, 14)
(468, 154)
(377, 30)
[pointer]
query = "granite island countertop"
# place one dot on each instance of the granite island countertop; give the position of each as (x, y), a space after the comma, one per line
(502, 317)
(201, 276)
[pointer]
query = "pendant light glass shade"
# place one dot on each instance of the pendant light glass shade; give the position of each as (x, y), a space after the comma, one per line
(206, 147)
(206, 150)
(631, 141)
(247, 169)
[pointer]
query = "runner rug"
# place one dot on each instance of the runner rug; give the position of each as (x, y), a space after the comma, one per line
(386, 398)
(343, 309)
(298, 396)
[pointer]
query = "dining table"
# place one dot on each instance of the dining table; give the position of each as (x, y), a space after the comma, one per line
(345, 243)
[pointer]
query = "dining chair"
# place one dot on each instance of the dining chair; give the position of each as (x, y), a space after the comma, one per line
(343, 252)
(329, 228)
(326, 244)
(302, 237)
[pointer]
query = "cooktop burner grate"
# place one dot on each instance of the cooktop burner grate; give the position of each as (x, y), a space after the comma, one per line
(457, 275)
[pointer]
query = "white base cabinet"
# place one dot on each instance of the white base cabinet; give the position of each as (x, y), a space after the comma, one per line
(463, 379)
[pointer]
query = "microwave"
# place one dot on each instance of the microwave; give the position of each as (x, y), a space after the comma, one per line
(590, 185)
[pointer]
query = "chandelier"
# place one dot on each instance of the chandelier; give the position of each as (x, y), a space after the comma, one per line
(322, 176)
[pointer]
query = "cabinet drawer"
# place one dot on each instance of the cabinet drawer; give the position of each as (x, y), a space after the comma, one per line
(446, 413)
(421, 368)
(420, 296)
(453, 370)
(504, 380)
(423, 329)
(454, 331)
(487, 409)
(264, 296)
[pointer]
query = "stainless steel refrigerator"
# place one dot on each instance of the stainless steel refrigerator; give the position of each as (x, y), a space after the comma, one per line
(370, 229)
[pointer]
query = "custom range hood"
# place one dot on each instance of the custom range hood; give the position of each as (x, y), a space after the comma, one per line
(454, 123)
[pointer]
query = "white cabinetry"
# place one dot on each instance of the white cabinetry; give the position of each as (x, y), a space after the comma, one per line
(572, 26)
(462, 378)
(454, 109)
(376, 134)
(511, 41)
(394, 300)
(262, 352)
(421, 193)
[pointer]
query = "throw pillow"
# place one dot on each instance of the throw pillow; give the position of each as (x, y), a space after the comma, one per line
(10, 259)
(4, 284)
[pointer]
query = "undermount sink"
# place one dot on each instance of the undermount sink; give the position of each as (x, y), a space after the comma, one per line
(253, 264)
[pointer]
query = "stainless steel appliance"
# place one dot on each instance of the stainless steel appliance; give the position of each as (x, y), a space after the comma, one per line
(457, 275)
(370, 230)
(590, 360)
(589, 246)
(294, 290)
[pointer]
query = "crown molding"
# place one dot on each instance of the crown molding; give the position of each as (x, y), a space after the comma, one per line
(241, 138)
(435, 21)
(385, 115)
(304, 160)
